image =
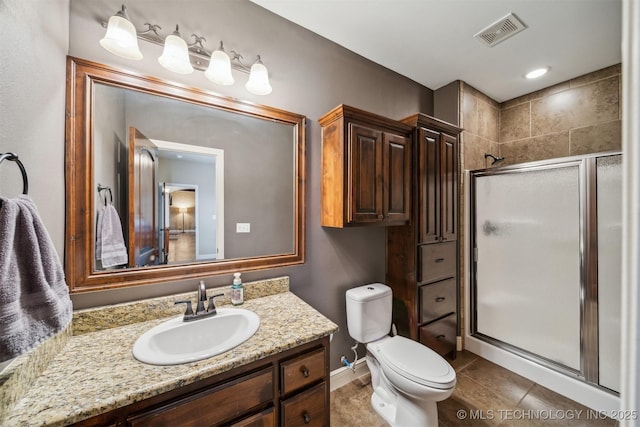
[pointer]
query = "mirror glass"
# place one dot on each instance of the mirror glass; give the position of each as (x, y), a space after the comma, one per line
(197, 184)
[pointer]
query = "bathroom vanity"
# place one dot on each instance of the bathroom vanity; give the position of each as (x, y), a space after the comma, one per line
(278, 377)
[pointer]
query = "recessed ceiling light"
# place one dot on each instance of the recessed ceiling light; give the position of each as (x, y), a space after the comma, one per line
(537, 73)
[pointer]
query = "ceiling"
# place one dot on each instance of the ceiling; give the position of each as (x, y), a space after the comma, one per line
(432, 43)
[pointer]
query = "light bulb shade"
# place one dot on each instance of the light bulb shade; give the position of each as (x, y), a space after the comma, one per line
(219, 70)
(121, 38)
(258, 83)
(175, 55)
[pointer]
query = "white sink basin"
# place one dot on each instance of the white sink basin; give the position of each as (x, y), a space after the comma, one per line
(175, 341)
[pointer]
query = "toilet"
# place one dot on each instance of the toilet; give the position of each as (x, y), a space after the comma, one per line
(408, 378)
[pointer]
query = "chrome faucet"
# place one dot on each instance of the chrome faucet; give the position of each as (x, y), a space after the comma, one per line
(201, 312)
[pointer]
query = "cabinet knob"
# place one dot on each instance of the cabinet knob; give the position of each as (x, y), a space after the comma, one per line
(305, 371)
(306, 417)
(439, 260)
(380, 216)
(440, 337)
(440, 299)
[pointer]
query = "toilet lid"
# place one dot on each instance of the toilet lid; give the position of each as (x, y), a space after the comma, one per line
(416, 362)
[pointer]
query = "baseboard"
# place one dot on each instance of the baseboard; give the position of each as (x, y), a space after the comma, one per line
(343, 376)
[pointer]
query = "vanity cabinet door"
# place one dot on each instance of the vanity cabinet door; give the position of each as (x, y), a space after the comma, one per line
(214, 406)
(309, 408)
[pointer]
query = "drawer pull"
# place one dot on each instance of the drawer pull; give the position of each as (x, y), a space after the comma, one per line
(305, 371)
(438, 260)
(306, 417)
(440, 299)
(440, 337)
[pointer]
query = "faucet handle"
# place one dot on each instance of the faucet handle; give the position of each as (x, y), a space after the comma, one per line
(189, 311)
(211, 307)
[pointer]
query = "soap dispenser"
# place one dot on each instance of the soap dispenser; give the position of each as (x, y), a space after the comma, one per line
(237, 290)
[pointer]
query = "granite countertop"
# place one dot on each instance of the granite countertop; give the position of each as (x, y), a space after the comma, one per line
(96, 372)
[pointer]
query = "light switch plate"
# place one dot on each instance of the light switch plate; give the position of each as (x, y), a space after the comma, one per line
(243, 227)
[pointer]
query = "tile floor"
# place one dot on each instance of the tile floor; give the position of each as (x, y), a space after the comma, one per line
(490, 394)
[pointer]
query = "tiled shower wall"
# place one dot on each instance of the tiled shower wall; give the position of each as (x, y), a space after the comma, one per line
(579, 116)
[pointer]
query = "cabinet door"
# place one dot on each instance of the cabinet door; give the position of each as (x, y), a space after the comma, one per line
(396, 176)
(429, 185)
(448, 187)
(365, 167)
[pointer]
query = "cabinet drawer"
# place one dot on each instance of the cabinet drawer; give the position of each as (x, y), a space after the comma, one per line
(302, 371)
(308, 408)
(437, 299)
(213, 406)
(264, 419)
(437, 261)
(440, 336)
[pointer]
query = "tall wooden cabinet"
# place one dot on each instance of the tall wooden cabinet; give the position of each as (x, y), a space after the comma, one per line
(422, 267)
(366, 169)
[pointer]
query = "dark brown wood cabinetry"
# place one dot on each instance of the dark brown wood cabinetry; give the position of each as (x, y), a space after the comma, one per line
(366, 169)
(288, 389)
(422, 267)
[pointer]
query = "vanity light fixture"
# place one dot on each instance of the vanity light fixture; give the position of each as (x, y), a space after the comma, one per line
(121, 37)
(175, 55)
(258, 83)
(180, 57)
(219, 70)
(539, 72)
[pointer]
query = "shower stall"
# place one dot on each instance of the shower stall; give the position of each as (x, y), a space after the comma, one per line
(544, 282)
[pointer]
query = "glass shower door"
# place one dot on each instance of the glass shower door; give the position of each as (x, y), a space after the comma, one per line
(528, 260)
(609, 185)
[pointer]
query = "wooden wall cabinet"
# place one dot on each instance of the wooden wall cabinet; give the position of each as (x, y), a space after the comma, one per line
(366, 169)
(288, 389)
(422, 267)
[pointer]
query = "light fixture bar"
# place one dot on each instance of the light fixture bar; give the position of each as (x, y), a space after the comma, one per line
(181, 57)
(198, 54)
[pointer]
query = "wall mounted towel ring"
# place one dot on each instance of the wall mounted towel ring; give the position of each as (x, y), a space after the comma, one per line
(13, 157)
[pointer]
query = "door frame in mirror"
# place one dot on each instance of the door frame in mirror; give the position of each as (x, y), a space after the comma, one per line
(79, 185)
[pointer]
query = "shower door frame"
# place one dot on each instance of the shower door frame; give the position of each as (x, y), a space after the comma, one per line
(588, 255)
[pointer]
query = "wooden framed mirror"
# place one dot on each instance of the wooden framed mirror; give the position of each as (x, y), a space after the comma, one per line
(158, 152)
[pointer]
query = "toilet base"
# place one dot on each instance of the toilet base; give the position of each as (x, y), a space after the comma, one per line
(404, 412)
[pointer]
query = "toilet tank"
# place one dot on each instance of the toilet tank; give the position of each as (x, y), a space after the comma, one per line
(369, 312)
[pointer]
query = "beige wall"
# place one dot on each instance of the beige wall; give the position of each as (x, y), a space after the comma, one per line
(580, 116)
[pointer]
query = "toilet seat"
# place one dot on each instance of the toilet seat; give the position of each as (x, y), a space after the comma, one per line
(414, 361)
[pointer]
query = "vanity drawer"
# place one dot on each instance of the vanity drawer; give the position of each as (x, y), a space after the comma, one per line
(437, 299)
(264, 419)
(440, 335)
(437, 261)
(302, 371)
(308, 408)
(214, 406)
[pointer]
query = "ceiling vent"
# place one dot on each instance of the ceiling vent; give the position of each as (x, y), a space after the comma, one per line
(500, 30)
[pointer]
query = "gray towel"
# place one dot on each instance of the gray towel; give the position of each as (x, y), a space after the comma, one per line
(110, 248)
(34, 298)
